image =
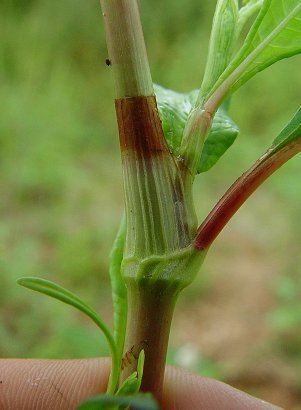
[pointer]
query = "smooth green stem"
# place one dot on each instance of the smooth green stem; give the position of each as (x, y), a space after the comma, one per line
(127, 51)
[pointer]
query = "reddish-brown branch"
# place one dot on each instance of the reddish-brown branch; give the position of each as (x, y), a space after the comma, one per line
(242, 188)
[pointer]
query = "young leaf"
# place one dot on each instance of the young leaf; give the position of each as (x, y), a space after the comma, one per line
(174, 109)
(223, 35)
(284, 147)
(118, 289)
(58, 292)
(128, 386)
(246, 12)
(275, 34)
(132, 384)
(140, 366)
(289, 134)
(137, 402)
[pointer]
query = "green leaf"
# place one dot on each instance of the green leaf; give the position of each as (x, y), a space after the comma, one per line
(140, 366)
(137, 402)
(174, 109)
(221, 136)
(132, 384)
(245, 13)
(289, 134)
(58, 292)
(119, 294)
(223, 35)
(128, 386)
(275, 34)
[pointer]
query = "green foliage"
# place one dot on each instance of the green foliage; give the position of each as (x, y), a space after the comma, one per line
(118, 289)
(132, 384)
(105, 401)
(58, 292)
(221, 136)
(50, 127)
(246, 12)
(222, 40)
(174, 109)
(275, 34)
(290, 133)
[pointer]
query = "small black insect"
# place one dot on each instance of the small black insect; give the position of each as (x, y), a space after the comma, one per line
(108, 62)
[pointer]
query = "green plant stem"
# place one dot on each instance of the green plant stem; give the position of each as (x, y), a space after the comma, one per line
(127, 51)
(150, 313)
(160, 220)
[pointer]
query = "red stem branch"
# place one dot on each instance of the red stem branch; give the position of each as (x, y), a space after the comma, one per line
(240, 191)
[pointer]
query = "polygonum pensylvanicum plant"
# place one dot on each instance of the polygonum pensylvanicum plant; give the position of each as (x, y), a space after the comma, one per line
(166, 139)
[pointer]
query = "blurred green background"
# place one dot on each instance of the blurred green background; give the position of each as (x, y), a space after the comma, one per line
(61, 197)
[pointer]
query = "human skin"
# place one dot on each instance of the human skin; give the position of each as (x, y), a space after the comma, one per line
(33, 384)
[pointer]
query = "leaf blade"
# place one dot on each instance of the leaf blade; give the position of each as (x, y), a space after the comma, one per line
(275, 35)
(268, 46)
(174, 109)
(55, 291)
(221, 44)
(246, 12)
(222, 135)
(132, 384)
(289, 133)
(119, 294)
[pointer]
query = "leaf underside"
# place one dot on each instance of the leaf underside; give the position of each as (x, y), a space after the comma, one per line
(174, 109)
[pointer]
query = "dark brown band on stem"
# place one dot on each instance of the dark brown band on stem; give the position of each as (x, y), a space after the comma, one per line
(237, 194)
(139, 125)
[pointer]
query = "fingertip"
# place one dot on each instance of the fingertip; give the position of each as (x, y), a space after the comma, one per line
(50, 384)
(186, 391)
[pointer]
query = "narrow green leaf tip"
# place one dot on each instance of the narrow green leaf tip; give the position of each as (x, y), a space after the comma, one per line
(58, 292)
(289, 133)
